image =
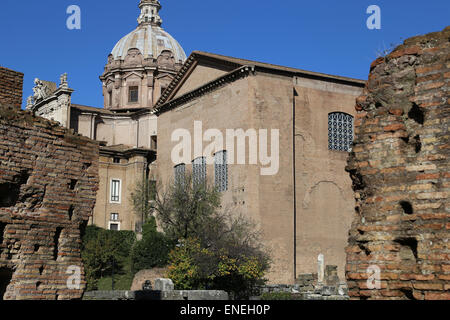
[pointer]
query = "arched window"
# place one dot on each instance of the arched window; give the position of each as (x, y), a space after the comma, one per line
(340, 131)
(221, 170)
(180, 173)
(199, 171)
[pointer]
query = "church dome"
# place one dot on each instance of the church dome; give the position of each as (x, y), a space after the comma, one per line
(149, 38)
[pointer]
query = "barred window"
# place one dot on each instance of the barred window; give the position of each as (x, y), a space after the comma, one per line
(199, 171)
(180, 173)
(221, 170)
(340, 131)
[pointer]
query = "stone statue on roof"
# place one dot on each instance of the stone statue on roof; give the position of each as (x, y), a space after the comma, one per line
(41, 91)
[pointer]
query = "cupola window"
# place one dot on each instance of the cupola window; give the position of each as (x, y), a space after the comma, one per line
(133, 95)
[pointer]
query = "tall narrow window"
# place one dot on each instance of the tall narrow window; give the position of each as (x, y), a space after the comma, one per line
(115, 190)
(180, 173)
(133, 94)
(340, 131)
(199, 171)
(221, 170)
(110, 98)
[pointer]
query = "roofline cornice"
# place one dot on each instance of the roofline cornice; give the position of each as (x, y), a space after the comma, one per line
(195, 57)
(232, 76)
(105, 151)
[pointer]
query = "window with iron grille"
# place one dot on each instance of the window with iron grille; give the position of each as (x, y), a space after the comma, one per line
(221, 170)
(340, 131)
(180, 173)
(133, 94)
(199, 171)
(115, 190)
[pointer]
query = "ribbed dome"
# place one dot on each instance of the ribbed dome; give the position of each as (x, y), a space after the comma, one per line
(151, 40)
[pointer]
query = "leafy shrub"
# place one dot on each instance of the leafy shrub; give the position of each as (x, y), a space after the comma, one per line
(152, 251)
(193, 266)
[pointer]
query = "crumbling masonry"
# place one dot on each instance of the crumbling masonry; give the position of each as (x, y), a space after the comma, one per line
(401, 176)
(11, 83)
(48, 184)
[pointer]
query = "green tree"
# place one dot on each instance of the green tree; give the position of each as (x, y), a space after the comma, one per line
(217, 248)
(184, 208)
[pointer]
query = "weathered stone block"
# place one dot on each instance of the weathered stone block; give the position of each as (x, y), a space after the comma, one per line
(164, 285)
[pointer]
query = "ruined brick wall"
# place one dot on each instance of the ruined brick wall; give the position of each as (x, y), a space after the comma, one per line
(401, 175)
(11, 84)
(48, 184)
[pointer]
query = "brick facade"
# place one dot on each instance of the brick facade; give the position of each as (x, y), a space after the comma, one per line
(48, 184)
(11, 84)
(401, 176)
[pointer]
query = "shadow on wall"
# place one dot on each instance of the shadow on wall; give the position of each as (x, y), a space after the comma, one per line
(5, 279)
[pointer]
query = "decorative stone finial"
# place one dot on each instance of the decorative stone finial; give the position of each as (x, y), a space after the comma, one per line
(150, 12)
(63, 81)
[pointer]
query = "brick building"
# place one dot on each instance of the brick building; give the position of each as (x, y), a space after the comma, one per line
(11, 84)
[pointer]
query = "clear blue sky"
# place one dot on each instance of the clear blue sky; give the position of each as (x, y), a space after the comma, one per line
(327, 36)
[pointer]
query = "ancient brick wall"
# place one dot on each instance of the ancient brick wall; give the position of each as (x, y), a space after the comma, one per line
(11, 84)
(401, 175)
(48, 184)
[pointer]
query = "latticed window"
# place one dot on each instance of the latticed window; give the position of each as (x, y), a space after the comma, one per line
(340, 131)
(199, 170)
(180, 173)
(221, 170)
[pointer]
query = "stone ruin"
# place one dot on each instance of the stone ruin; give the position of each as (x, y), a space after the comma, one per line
(399, 240)
(48, 184)
(323, 285)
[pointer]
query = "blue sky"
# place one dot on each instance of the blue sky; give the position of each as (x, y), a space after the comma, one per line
(324, 36)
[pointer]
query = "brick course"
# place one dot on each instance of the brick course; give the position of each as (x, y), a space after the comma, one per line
(11, 84)
(48, 184)
(400, 172)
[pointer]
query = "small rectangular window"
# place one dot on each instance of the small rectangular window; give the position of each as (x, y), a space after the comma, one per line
(114, 217)
(115, 190)
(133, 95)
(114, 226)
(116, 160)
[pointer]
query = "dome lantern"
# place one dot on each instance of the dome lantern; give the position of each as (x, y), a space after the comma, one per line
(150, 12)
